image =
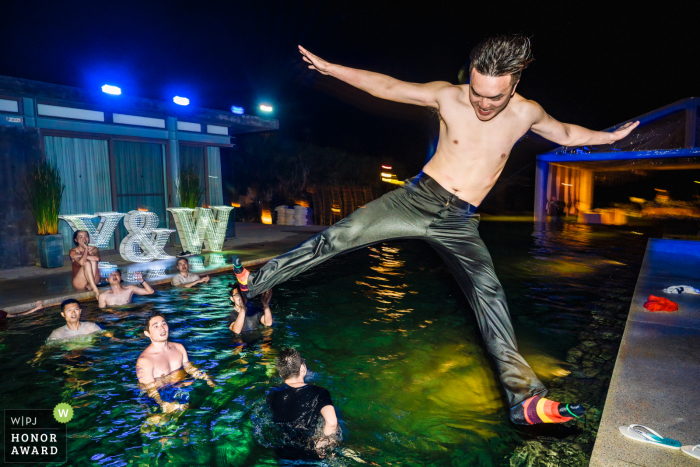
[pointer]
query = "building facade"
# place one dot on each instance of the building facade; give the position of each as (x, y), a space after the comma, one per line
(115, 153)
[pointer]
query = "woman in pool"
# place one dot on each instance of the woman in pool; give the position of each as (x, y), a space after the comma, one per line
(84, 259)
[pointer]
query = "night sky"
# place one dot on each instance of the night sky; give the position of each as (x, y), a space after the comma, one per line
(593, 66)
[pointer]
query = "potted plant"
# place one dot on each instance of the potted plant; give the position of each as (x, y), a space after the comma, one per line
(188, 188)
(44, 189)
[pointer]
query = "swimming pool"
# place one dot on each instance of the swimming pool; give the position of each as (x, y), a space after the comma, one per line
(384, 329)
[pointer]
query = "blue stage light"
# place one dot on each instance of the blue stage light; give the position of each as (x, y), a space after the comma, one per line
(181, 100)
(109, 89)
(266, 108)
(237, 110)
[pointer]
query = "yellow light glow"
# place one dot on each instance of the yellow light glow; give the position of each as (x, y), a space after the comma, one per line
(696, 181)
(335, 210)
(236, 205)
(387, 167)
(143, 209)
(392, 181)
(302, 203)
(567, 184)
(266, 216)
(388, 175)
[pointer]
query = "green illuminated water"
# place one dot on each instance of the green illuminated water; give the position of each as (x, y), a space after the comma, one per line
(384, 329)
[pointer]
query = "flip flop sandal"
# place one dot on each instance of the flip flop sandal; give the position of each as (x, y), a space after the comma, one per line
(650, 436)
(692, 451)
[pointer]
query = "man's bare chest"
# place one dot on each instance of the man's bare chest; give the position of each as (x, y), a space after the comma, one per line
(165, 364)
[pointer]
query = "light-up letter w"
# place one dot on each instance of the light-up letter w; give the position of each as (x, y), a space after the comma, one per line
(201, 225)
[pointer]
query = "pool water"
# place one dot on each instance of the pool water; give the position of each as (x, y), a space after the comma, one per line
(385, 329)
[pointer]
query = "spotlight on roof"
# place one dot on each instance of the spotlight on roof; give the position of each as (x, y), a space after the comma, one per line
(109, 89)
(181, 100)
(265, 108)
(237, 110)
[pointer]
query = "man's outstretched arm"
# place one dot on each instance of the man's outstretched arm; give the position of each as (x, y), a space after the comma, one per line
(382, 86)
(568, 134)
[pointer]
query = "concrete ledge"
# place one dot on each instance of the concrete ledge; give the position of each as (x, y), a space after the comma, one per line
(16, 310)
(657, 372)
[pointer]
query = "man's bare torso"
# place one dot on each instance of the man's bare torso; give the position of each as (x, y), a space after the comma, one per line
(166, 362)
(472, 153)
(122, 297)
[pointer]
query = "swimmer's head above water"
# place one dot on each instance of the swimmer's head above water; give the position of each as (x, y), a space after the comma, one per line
(290, 364)
(156, 328)
(237, 297)
(494, 71)
(70, 310)
(182, 265)
(114, 277)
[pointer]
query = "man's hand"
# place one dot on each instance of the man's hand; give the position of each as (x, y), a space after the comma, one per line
(265, 298)
(170, 407)
(317, 63)
(623, 131)
(211, 383)
(204, 279)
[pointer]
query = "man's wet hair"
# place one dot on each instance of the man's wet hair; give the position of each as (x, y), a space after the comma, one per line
(288, 363)
(499, 56)
(75, 236)
(182, 259)
(147, 321)
(65, 303)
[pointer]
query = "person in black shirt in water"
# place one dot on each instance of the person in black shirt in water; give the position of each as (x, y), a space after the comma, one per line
(297, 406)
(248, 319)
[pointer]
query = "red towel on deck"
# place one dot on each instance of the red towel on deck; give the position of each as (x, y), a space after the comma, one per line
(655, 303)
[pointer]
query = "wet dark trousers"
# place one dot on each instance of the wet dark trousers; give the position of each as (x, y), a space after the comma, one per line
(422, 209)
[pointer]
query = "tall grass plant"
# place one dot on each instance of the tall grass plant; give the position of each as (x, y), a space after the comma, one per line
(189, 189)
(44, 189)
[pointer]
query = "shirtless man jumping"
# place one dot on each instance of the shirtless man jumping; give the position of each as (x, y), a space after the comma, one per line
(479, 123)
(163, 362)
(118, 294)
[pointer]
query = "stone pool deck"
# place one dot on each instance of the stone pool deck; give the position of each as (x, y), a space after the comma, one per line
(656, 381)
(20, 288)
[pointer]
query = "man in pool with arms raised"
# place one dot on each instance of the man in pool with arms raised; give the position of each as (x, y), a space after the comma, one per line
(480, 122)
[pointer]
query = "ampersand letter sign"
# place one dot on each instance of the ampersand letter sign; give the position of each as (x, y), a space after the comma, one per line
(145, 242)
(101, 236)
(201, 225)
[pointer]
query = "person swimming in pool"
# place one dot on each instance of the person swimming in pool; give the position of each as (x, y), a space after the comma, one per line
(246, 318)
(185, 278)
(163, 362)
(297, 408)
(119, 294)
(85, 262)
(480, 122)
(70, 310)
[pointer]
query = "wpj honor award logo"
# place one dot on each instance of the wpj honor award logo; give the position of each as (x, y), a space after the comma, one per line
(35, 436)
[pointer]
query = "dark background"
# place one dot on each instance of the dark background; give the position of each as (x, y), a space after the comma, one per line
(595, 64)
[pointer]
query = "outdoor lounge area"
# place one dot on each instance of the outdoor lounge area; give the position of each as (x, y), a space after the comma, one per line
(651, 174)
